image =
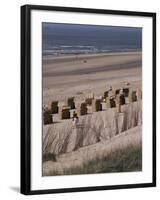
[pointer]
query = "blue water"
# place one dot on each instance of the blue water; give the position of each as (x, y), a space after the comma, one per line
(64, 39)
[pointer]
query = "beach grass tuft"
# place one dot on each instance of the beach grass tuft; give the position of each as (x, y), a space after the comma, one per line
(49, 157)
(122, 160)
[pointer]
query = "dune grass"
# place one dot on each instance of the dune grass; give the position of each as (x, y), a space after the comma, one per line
(122, 160)
(48, 157)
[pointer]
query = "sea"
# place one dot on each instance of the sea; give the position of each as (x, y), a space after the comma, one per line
(68, 39)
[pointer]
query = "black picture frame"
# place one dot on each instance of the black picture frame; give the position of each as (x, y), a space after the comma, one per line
(26, 98)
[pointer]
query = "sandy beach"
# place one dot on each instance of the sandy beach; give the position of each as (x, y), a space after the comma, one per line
(77, 75)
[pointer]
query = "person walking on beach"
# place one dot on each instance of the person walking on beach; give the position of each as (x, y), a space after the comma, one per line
(75, 119)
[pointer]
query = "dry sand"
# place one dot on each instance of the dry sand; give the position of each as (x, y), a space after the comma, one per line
(77, 75)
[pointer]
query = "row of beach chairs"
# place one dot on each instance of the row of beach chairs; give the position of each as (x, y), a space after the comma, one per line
(99, 104)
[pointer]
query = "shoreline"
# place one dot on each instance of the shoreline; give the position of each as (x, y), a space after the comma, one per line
(50, 58)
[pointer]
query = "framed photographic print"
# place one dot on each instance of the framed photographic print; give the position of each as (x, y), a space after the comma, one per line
(88, 99)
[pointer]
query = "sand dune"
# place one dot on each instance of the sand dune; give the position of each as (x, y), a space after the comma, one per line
(62, 137)
(132, 137)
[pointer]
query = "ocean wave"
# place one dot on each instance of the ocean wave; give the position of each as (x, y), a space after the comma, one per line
(80, 49)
